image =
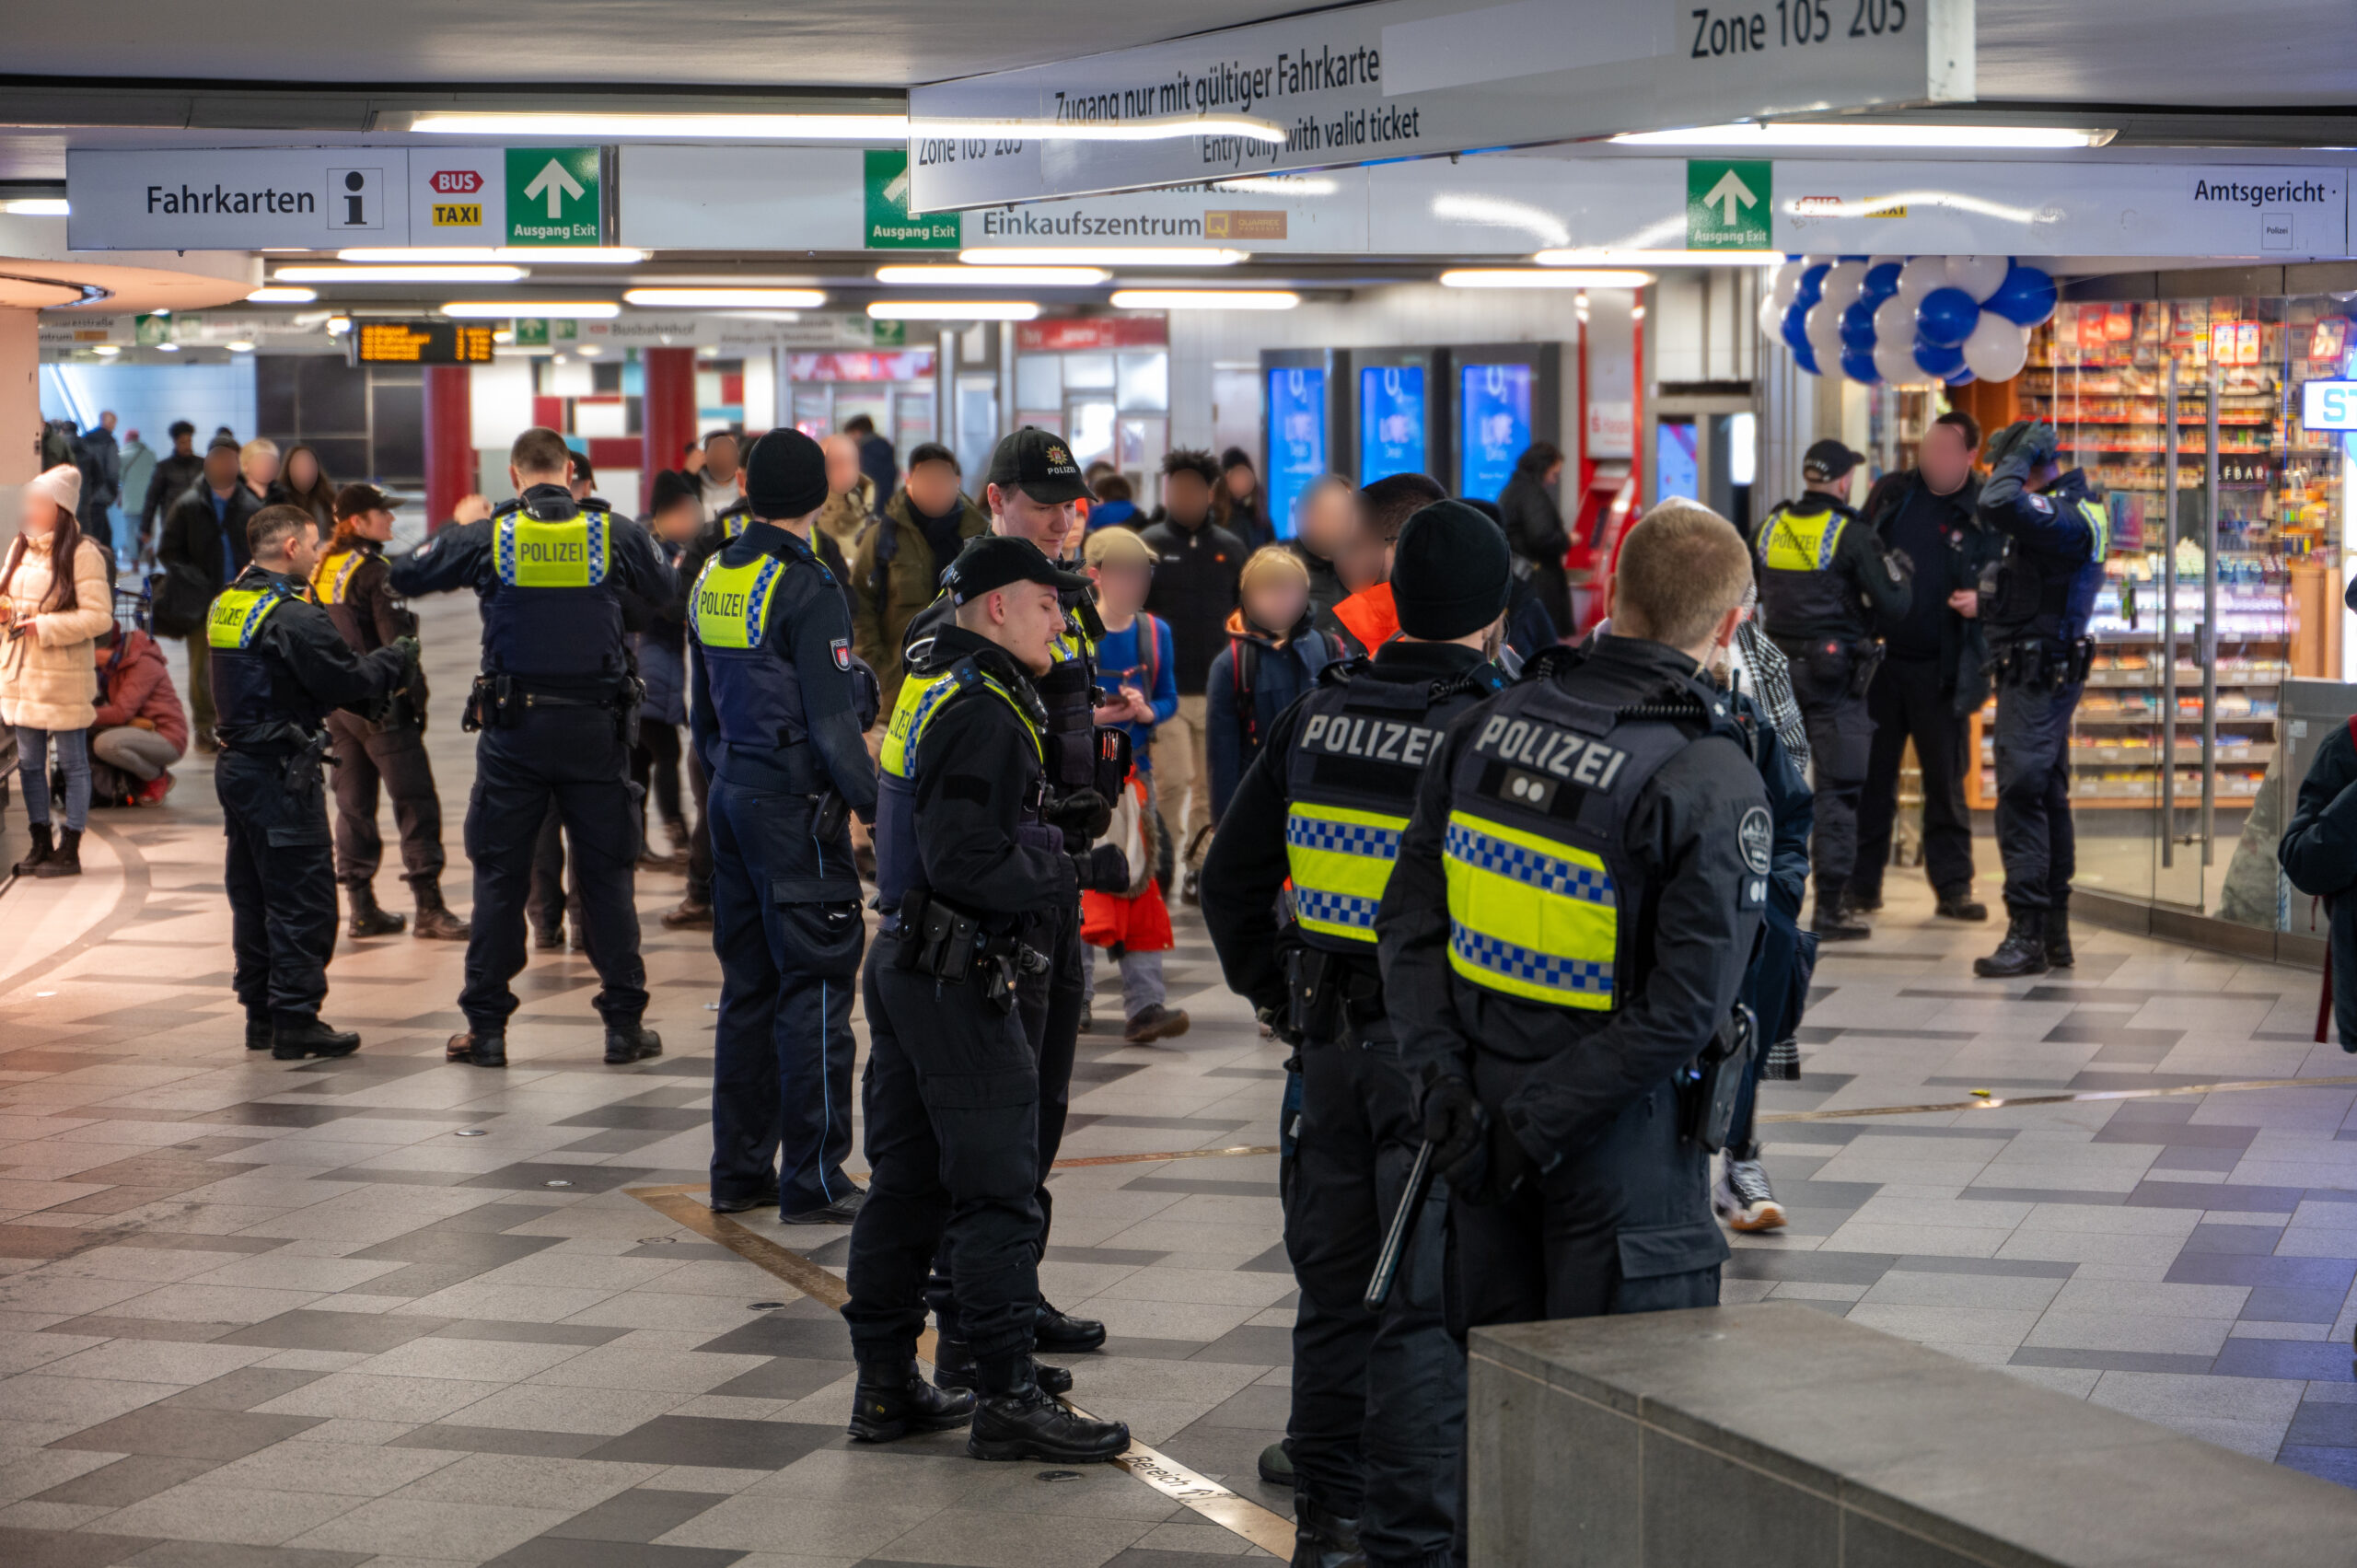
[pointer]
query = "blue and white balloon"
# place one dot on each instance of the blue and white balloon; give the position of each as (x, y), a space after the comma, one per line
(1894, 359)
(1886, 319)
(1997, 349)
(1921, 276)
(1938, 361)
(2025, 298)
(1946, 316)
(1859, 366)
(1858, 326)
(1978, 275)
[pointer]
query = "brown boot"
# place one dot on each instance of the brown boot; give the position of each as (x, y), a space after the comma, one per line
(689, 913)
(435, 921)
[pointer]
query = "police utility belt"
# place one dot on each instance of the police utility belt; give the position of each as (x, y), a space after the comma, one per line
(1707, 1085)
(950, 946)
(500, 701)
(302, 751)
(1328, 995)
(2043, 666)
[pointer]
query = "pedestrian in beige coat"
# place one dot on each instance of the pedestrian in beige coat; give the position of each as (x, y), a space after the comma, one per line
(51, 614)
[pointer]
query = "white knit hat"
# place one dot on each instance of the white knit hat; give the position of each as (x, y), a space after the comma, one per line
(62, 485)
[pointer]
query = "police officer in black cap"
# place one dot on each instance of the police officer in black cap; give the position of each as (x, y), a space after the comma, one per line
(953, 1092)
(555, 703)
(2057, 532)
(779, 712)
(1824, 583)
(1567, 929)
(1032, 487)
(278, 667)
(1379, 1399)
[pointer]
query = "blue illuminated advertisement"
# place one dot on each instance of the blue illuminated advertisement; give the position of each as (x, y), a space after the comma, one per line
(1392, 421)
(1493, 426)
(1677, 465)
(1296, 442)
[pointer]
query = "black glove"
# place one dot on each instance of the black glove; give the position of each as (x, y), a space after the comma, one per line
(410, 650)
(1456, 1125)
(1102, 870)
(2040, 442)
(1084, 814)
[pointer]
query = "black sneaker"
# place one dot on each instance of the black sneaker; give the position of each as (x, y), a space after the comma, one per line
(1833, 922)
(953, 1367)
(1060, 1334)
(887, 1406)
(1024, 1423)
(626, 1043)
(477, 1047)
(1275, 1465)
(764, 1199)
(843, 1210)
(294, 1039)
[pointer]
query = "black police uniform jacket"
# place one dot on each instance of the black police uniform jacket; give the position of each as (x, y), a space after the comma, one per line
(1695, 838)
(274, 691)
(2052, 568)
(1856, 581)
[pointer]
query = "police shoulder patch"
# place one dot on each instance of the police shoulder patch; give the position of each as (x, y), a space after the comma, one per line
(1757, 836)
(841, 648)
(2041, 503)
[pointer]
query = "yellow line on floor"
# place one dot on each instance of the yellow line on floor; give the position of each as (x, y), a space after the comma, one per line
(1270, 1532)
(1994, 1103)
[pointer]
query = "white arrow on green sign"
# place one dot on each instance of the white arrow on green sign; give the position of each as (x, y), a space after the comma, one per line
(1728, 202)
(554, 197)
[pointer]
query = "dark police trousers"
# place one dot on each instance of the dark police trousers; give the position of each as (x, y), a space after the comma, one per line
(1905, 703)
(2035, 836)
(951, 1098)
(1049, 1007)
(575, 758)
(546, 903)
(787, 928)
(397, 757)
(1623, 1226)
(1378, 1400)
(281, 881)
(1841, 742)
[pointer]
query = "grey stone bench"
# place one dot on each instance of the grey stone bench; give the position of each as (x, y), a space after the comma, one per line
(1775, 1436)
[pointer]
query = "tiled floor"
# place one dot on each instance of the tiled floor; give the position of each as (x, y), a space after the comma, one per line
(392, 1312)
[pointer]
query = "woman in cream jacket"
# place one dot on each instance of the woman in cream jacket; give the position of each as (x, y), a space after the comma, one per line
(55, 598)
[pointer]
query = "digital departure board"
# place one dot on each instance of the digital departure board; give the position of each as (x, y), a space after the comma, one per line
(420, 343)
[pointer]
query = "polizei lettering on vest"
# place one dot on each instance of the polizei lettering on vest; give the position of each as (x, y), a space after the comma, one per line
(1377, 740)
(714, 602)
(1543, 748)
(549, 553)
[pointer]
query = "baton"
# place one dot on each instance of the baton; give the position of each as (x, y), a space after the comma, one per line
(1403, 1223)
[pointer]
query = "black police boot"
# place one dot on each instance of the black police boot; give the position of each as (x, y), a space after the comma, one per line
(1957, 903)
(626, 1043)
(1275, 1465)
(1834, 923)
(477, 1047)
(42, 847)
(765, 1198)
(367, 918)
(843, 1210)
(893, 1400)
(1016, 1419)
(1323, 1538)
(295, 1037)
(1066, 1335)
(2058, 935)
(66, 860)
(2022, 952)
(953, 1367)
(435, 921)
(259, 1034)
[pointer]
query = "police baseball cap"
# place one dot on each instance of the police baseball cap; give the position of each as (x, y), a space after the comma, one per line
(1037, 464)
(1829, 461)
(355, 500)
(990, 561)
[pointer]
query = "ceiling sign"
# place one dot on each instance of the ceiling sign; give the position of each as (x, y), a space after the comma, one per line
(1418, 78)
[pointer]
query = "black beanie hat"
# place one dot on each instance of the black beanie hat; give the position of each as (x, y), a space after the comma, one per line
(671, 487)
(1451, 572)
(785, 476)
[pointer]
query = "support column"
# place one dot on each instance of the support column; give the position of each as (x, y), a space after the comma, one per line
(668, 413)
(449, 440)
(20, 409)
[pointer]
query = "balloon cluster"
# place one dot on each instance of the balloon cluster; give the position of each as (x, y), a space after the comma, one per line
(1951, 319)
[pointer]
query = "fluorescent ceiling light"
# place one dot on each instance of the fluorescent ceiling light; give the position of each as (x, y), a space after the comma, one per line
(725, 298)
(400, 274)
(106, 351)
(953, 310)
(1205, 299)
(733, 280)
(589, 351)
(1543, 277)
(282, 295)
(1863, 134)
(240, 346)
(1575, 258)
(503, 309)
(35, 207)
(1104, 256)
(1151, 128)
(339, 325)
(995, 277)
(575, 255)
(842, 127)
(168, 348)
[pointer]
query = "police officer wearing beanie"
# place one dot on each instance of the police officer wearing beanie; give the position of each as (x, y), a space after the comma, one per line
(1378, 1400)
(278, 667)
(1824, 583)
(2057, 532)
(1566, 931)
(556, 704)
(780, 709)
(954, 1085)
(1032, 489)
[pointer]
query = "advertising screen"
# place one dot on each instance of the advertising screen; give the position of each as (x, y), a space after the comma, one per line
(1392, 421)
(1677, 465)
(1494, 425)
(1297, 406)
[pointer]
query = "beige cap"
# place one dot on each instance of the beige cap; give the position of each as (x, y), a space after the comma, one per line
(1119, 545)
(62, 485)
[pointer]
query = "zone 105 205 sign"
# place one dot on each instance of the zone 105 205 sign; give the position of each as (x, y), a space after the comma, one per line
(1792, 24)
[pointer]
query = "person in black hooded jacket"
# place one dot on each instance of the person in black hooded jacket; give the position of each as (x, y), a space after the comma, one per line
(2318, 852)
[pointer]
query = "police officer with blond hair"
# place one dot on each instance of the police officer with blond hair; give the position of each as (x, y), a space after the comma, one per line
(556, 704)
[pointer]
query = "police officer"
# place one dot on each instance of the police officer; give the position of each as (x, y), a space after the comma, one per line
(351, 584)
(279, 666)
(780, 711)
(1568, 925)
(554, 704)
(1825, 580)
(2057, 533)
(953, 1089)
(1378, 1402)
(1030, 490)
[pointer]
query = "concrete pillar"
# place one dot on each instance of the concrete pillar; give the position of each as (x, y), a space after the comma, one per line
(20, 409)
(449, 440)
(668, 413)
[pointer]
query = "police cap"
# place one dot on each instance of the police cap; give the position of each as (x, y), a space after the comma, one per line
(1829, 461)
(1037, 464)
(990, 561)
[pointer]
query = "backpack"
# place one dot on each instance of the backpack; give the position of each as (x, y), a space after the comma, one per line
(1244, 669)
